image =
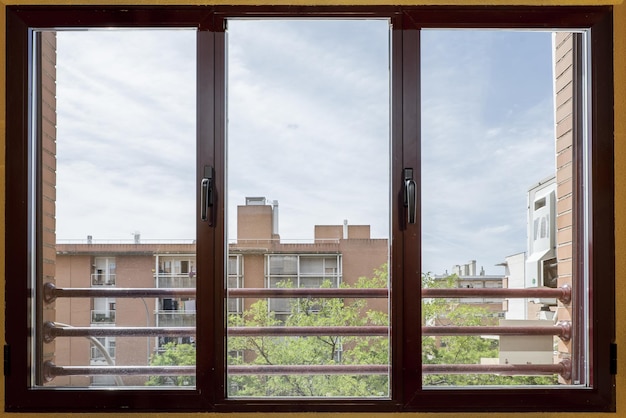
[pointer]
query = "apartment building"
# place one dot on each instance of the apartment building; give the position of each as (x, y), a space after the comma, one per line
(257, 259)
(466, 276)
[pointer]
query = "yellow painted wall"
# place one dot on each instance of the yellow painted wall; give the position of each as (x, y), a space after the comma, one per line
(620, 193)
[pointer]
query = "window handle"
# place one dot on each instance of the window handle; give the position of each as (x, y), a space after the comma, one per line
(206, 194)
(410, 195)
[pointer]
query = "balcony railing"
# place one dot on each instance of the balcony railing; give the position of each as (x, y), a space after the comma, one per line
(176, 319)
(102, 279)
(175, 281)
(102, 317)
(561, 330)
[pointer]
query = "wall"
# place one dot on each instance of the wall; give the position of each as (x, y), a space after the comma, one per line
(70, 268)
(564, 89)
(48, 128)
(620, 195)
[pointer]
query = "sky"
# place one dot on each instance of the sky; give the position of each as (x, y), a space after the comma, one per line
(308, 126)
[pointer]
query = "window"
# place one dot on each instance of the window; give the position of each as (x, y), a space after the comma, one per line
(103, 311)
(297, 271)
(104, 272)
(235, 281)
(101, 348)
(422, 214)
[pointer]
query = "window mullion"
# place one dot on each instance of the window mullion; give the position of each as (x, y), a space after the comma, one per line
(406, 361)
(211, 285)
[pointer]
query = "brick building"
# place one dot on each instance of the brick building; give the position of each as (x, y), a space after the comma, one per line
(258, 259)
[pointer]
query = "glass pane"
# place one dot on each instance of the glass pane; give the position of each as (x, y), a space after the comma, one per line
(119, 182)
(308, 126)
(496, 199)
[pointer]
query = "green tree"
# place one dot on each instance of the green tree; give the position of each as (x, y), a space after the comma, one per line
(313, 350)
(462, 349)
(362, 350)
(174, 355)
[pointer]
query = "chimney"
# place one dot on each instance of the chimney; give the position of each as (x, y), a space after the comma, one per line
(275, 217)
(257, 220)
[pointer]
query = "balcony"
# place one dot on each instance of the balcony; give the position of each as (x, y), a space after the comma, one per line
(102, 279)
(176, 318)
(175, 281)
(102, 317)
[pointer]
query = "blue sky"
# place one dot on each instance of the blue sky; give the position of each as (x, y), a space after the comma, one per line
(308, 126)
(487, 136)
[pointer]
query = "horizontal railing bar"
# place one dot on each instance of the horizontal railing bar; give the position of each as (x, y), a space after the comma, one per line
(51, 292)
(51, 370)
(562, 330)
(309, 369)
(381, 331)
(52, 331)
(504, 369)
(307, 292)
(54, 371)
(563, 294)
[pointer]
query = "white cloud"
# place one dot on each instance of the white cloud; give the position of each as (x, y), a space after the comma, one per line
(334, 165)
(478, 158)
(125, 134)
(308, 126)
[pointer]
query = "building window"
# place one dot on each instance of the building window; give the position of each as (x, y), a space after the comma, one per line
(175, 271)
(300, 271)
(103, 351)
(103, 311)
(235, 281)
(177, 274)
(103, 271)
(422, 216)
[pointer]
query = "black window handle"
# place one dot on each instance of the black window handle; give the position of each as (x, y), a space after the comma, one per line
(206, 194)
(410, 195)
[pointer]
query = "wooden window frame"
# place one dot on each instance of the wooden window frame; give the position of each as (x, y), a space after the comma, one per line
(407, 393)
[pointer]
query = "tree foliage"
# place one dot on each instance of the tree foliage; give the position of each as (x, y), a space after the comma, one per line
(312, 350)
(174, 355)
(361, 350)
(462, 349)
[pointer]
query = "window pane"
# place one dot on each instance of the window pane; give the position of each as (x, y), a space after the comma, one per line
(118, 178)
(308, 125)
(497, 203)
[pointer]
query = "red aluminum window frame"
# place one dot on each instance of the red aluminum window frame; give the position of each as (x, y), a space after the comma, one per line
(408, 394)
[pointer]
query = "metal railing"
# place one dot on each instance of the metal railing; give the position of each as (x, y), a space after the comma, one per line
(561, 330)
(563, 294)
(51, 292)
(52, 331)
(175, 280)
(562, 368)
(102, 317)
